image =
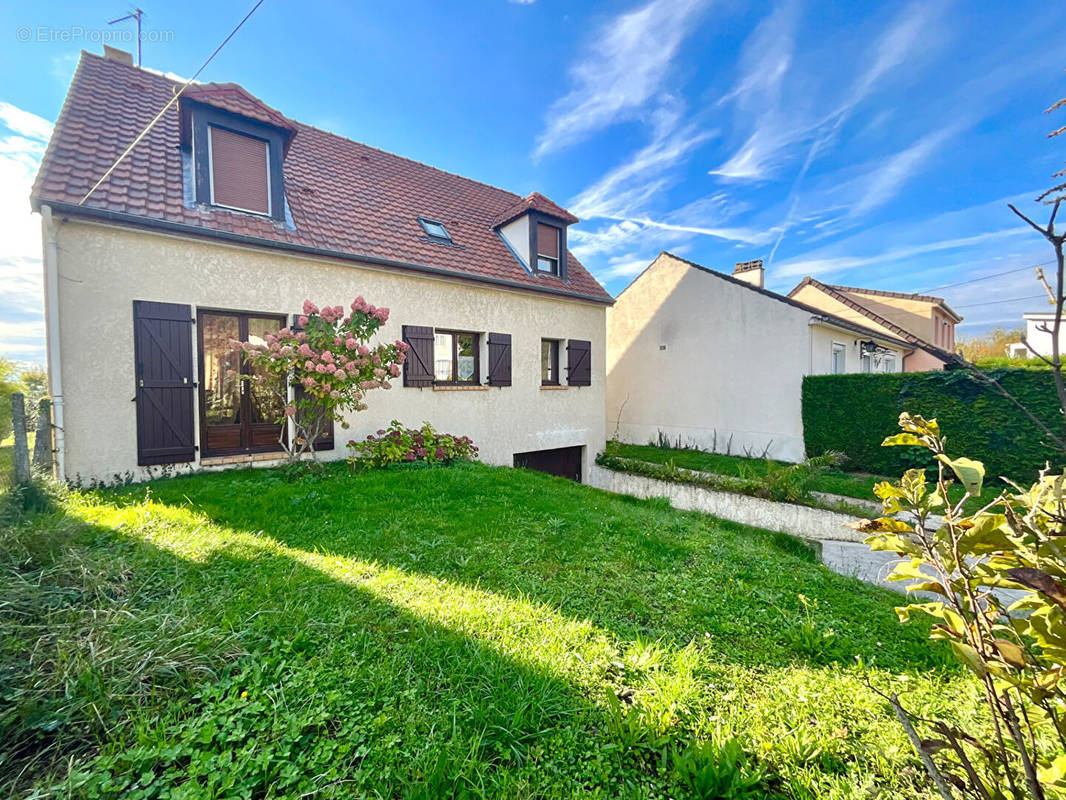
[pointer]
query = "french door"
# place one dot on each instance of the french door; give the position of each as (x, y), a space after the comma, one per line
(236, 415)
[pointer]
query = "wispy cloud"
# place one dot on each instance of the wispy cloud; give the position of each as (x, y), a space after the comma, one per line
(22, 141)
(622, 69)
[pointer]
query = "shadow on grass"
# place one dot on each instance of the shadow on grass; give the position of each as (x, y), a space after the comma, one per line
(635, 568)
(354, 679)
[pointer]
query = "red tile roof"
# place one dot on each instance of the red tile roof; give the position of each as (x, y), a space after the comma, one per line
(535, 201)
(345, 198)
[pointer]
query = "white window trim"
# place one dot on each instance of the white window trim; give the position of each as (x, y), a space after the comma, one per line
(211, 173)
(843, 349)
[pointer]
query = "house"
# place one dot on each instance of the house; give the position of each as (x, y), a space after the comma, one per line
(927, 323)
(717, 361)
(218, 225)
(1038, 336)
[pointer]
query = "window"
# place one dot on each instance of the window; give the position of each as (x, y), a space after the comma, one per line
(240, 171)
(548, 237)
(435, 230)
(840, 353)
(867, 362)
(890, 362)
(455, 357)
(549, 362)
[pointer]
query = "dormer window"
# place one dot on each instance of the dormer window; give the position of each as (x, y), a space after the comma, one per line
(548, 237)
(435, 230)
(240, 171)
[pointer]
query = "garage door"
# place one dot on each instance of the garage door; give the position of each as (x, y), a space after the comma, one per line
(562, 461)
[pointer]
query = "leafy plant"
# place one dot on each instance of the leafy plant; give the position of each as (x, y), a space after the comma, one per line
(328, 364)
(1017, 652)
(398, 444)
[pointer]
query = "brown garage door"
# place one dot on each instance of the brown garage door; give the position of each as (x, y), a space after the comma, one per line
(562, 461)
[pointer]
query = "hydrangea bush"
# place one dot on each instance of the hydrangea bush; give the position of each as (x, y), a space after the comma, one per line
(399, 444)
(328, 362)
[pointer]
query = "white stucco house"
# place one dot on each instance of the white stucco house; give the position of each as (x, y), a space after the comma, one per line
(1038, 335)
(717, 361)
(226, 217)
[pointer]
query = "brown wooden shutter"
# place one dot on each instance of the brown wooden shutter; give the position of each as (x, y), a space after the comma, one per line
(239, 171)
(547, 240)
(418, 368)
(325, 440)
(579, 362)
(499, 359)
(162, 346)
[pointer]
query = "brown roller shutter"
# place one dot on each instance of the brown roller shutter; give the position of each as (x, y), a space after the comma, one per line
(499, 359)
(239, 171)
(579, 362)
(547, 240)
(162, 345)
(418, 368)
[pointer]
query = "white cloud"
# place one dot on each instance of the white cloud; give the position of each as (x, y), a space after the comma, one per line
(22, 140)
(622, 70)
(633, 183)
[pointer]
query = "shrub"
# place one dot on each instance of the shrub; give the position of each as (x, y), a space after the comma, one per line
(853, 413)
(1016, 651)
(398, 444)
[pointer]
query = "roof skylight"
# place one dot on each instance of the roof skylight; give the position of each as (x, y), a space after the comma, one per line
(435, 230)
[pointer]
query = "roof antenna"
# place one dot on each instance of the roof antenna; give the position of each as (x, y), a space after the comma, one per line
(135, 14)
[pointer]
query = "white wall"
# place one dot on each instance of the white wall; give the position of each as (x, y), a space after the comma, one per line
(103, 269)
(718, 365)
(1041, 340)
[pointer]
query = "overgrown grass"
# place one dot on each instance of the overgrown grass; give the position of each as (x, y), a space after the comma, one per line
(858, 485)
(443, 632)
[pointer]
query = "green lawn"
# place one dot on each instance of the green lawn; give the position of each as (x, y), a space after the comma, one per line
(443, 632)
(835, 481)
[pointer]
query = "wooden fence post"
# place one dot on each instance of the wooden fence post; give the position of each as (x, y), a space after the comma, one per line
(42, 446)
(22, 451)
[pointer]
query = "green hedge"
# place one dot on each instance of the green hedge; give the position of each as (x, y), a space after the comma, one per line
(853, 414)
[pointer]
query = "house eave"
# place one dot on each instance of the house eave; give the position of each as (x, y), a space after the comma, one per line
(149, 223)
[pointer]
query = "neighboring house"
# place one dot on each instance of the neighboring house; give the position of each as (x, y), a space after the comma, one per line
(226, 217)
(1038, 328)
(718, 361)
(927, 323)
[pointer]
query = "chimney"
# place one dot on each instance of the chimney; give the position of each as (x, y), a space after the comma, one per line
(750, 272)
(114, 54)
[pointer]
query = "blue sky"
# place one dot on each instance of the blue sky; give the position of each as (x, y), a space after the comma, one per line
(870, 144)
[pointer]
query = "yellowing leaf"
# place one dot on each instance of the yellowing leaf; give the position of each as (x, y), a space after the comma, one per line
(969, 472)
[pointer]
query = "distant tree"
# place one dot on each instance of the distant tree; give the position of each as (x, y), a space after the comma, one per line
(34, 386)
(990, 344)
(8, 386)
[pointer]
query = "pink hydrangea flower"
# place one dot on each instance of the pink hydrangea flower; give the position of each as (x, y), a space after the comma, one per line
(340, 375)
(351, 344)
(364, 350)
(394, 370)
(304, 350)
(321, 369)
(336, 395)
(290, 410)
(310, 308)
(301, 321)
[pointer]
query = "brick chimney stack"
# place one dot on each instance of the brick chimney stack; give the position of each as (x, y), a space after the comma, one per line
(751, 272)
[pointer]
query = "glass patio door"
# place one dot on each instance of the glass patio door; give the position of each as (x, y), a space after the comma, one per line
(236, 415)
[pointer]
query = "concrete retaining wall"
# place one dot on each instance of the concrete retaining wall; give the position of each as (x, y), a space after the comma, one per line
(802, 521)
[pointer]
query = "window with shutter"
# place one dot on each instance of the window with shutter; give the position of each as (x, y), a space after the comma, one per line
(240, 175)
(579, 362)
(162, 342)
(548, 248)
(418, 368)
(499, 359)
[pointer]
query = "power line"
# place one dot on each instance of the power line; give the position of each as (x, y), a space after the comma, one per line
(986, 277)
(1009, 300)
(173, 100)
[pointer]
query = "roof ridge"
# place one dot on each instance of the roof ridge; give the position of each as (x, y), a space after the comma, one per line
(782, 298)
(888, 293)
(300, 124)
(836, 294)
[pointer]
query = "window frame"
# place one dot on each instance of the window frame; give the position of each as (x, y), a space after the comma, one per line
(196, 119)
(211, 172)
(555, 345)
(454, 380)
(446, 238)
(838, 347)
(887, 359)
(558, 262)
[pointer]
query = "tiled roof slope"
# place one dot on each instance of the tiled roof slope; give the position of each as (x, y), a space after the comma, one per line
(535, 202)
(345, 197)
(845, 296)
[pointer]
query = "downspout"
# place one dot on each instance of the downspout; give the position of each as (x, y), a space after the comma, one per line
(51, 320)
